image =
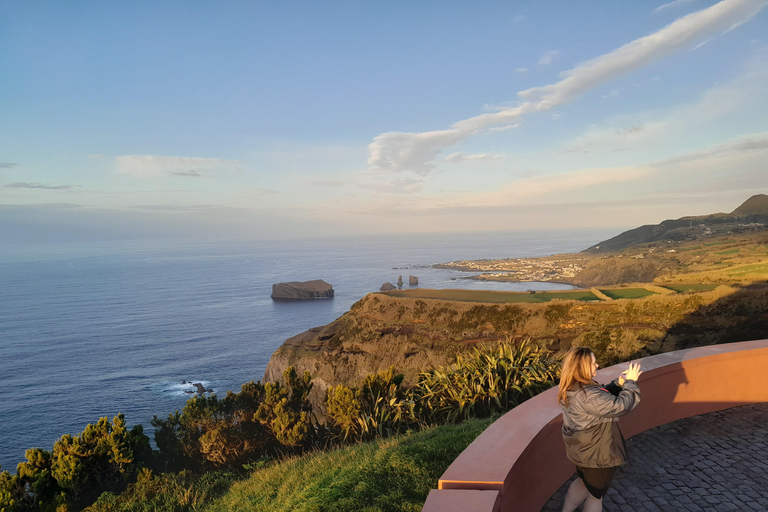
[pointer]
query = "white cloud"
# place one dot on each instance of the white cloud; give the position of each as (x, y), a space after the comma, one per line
(148, 166)
(611, 94)
(475, 157)
(396, 151)
(521, 70)
(548, 57)
(678, 35)
(416, 152)
(504, 128)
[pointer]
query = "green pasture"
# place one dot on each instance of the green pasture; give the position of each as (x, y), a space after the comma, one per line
(493, 296)
(730, 251)
(682, 288)
(760, 268)
(628, 293)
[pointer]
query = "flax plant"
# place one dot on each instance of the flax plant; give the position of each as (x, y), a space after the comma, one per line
(490, 380)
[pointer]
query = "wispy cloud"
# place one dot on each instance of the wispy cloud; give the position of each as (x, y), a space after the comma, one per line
(474, 157)
(745, 145)
(148, 166)
(7, 165)
(416, 152)
(42, 186)
(548, 57)
(676, 3)
(745, 93)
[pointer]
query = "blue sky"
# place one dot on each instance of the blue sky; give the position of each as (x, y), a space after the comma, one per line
(265, 119)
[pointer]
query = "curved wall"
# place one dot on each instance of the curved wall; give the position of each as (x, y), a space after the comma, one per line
(519, 461)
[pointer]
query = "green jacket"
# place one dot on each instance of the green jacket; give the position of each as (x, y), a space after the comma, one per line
(590, 423)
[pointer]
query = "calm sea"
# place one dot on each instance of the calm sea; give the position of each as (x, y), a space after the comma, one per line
(92, 330)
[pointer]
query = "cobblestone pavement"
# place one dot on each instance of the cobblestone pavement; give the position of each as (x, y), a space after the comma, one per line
(713, 462)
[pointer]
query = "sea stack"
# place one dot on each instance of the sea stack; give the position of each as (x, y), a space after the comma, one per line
(413, 280)
(317, 289)
(387, 287)
(399, 281)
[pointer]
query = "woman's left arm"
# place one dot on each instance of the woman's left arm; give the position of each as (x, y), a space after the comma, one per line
(602, 403)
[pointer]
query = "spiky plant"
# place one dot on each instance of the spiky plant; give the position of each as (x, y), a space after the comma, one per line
(493, 379)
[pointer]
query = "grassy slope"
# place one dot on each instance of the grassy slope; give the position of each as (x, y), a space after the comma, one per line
(393, 474)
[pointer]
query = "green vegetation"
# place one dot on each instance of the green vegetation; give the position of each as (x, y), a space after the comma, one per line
(627, 293)
(261, 420)
(378, 408)
(393, 474)
(263, 423)
(494, 297)
(682, 288)
(761, 268)
(104, 457)
(487, 382)
(730, 251)
(167, 492)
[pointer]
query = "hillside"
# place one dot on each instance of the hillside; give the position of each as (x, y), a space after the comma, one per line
(751, 215)
(413, 333)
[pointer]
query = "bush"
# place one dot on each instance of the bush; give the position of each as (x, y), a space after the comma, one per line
(104, 456)
(379, 408)
(261, 420)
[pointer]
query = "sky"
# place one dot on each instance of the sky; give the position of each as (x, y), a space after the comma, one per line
(261, 119)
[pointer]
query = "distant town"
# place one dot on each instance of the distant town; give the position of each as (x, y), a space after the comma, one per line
(520, 269)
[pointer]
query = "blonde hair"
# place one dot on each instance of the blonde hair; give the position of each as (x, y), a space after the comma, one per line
(577, 371)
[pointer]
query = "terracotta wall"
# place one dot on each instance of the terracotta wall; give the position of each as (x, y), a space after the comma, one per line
(519, 461)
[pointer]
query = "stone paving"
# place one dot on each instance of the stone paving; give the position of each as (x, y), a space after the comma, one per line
(713, 462)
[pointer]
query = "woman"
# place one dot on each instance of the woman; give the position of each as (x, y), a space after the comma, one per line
(593, 441)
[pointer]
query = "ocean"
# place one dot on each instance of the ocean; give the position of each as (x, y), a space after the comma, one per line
(95, 329)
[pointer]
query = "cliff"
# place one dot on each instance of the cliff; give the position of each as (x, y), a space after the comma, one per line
(410, 334)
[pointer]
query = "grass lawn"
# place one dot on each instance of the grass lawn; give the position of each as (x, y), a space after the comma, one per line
(628, 293)
(493, 296)
(394, 474)
(682, 288)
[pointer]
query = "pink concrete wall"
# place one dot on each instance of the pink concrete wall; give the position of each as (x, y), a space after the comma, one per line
(522, 457)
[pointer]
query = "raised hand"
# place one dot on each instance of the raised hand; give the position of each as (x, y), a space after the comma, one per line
(633, 372)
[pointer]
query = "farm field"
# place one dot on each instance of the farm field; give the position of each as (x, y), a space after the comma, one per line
(627, 293)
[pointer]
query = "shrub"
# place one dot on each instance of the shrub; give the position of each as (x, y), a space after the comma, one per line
(262, 419)
(379, 408)
(491, 380)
